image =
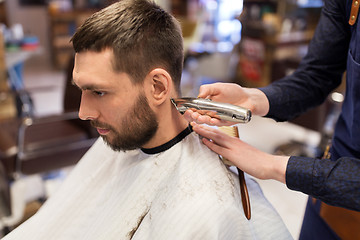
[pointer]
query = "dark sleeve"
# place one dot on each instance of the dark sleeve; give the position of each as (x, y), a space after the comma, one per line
(334, 182)
(319, 72)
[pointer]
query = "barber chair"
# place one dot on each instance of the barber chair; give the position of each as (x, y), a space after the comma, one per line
(37, 145)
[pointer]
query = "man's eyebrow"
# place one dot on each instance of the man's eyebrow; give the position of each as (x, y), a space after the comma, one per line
(90, 87)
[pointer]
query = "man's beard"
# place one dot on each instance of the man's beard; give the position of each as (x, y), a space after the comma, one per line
(137, 127)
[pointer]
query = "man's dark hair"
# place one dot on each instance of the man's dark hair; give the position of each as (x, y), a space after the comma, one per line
(141, 34)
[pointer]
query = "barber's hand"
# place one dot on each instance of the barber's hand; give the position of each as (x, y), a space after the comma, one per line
(250, 98)
(249, 159)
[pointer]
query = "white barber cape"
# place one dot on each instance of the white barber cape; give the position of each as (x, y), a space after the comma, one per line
(178, 191)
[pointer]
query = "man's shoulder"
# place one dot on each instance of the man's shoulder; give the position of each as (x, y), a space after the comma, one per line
(202, 172)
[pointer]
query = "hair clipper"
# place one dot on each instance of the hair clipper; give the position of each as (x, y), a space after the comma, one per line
(223, 111)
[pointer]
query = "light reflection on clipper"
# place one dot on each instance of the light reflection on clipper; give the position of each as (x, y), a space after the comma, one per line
(223, 111)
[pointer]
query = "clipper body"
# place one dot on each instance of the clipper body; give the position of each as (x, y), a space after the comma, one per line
(218, 110)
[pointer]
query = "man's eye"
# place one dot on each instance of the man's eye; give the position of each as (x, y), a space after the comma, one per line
(98, 93)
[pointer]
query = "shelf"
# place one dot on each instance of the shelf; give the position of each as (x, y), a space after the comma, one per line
(62, 26)
(267, 54)
(62, 42)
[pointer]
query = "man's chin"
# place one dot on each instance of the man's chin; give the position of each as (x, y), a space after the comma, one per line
(108, 142)
(118, 147)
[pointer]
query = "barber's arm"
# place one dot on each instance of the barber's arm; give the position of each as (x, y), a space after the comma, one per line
(334, 182)
(251, 160)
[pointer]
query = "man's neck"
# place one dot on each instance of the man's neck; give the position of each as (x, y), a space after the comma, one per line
(171, 123)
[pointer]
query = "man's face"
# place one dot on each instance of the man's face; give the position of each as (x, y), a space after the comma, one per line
(116, 108)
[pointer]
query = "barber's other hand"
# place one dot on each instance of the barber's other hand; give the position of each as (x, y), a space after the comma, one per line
(249, 159)
(250, 98)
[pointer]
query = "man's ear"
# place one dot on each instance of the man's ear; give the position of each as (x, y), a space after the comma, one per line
(160, 85)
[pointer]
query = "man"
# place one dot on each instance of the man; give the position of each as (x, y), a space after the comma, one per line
(152, 178)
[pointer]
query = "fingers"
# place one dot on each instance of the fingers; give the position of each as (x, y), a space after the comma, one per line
(197, 117)
(220, 143)
(214, 147)
(203, 91)
(215, 135)
(207, 91)
(194, 116)
(188, 115)
(205, 119)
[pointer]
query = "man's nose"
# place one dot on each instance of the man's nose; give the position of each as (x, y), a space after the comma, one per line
(87, 110)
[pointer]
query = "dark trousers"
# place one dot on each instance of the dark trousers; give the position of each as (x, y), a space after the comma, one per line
(313, 226)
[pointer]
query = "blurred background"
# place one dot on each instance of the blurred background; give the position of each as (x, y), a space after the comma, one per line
(249, 42)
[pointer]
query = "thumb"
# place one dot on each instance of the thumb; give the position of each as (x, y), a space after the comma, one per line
(207, 91)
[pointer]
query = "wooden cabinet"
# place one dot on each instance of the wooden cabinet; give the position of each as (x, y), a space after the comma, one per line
(62, 26)
(3, 18)
(274, 38)
(7, 101)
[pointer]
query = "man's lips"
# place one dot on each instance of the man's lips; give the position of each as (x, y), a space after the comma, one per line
(103, 131)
